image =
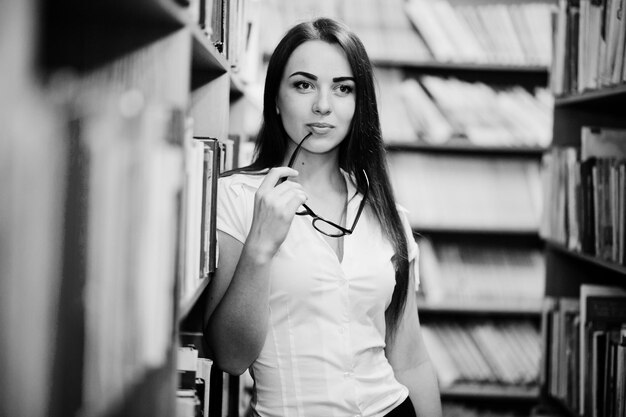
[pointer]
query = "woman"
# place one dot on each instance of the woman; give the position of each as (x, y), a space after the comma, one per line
(314, 291)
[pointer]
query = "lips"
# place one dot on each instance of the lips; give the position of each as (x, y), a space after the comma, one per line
(320, 128)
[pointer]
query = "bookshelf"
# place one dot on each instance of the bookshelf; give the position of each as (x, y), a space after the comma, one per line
(98, 103)
(445, 176)
(581, 376)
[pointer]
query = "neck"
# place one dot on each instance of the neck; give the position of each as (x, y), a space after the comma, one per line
(318, 171)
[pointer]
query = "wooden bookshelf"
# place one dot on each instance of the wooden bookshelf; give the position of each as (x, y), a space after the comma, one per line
(124, 73)
(486, 392)
(589, 259)
(462, 146)
(612, 95)
(454, 154)
(467, 66)
(487, 308)
(583, 100)
(470, 230)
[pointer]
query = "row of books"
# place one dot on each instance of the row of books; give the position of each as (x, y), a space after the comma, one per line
(193, 392)
(589, 45)
(481, 193)
(501, 33)
(585, 351)
(480, 275)
(484, 352)
(382, 25)
(125, 180)
(438, 110)
(587, 212)
(231, 25)
(484, 33)
(204, 389)
(205, 159)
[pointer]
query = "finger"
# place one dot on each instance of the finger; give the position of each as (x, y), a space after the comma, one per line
(275, 176)
(293, 200)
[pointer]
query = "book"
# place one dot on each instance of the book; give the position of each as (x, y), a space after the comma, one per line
(601, 307)
(604, 149)
(212, 166)
(186, 365)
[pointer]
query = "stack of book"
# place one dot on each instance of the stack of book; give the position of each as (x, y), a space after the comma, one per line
(589, 44)
(586, 211)
(585, 351)
(489, 33)
(449, 192)
(483, 114)
(125, 179)
(382, 26)
(472, 275)
(484, 352)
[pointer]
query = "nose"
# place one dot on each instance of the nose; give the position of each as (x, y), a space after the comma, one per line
(321, 105)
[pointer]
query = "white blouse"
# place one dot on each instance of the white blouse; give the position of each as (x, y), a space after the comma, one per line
(324, 352)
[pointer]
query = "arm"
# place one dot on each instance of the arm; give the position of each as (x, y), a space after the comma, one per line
(236, 315)
(410, 361)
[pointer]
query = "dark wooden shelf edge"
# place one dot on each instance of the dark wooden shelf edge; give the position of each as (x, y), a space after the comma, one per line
(187, 305)
(237, 87)
(461, 66)
(500, 392)
(592, 95)
(585, 257)
(206, 57)
(466, 149)
(481, 308)
(530, 233)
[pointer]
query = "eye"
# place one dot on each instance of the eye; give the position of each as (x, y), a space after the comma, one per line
(344, 89)
(303, 85)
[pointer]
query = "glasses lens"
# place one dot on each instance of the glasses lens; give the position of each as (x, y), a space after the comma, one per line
(327, 228)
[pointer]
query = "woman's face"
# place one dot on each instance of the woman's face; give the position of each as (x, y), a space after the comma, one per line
(317, 94)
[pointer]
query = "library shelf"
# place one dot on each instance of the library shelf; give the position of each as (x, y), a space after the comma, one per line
(464, 147)
(589, 259)
(572, 275)
(476, 308)
(612, 95)
(105, 92)
(463, 66)
(237, 87)
(519, 233)
(477, 391)
(206, 57)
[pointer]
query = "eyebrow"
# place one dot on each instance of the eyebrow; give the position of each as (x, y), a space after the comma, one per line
(314, 78)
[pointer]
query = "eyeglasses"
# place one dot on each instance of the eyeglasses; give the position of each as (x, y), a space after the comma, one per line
(320, 224)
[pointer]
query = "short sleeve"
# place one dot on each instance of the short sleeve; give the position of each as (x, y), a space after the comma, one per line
(235, 206)
(412, 248)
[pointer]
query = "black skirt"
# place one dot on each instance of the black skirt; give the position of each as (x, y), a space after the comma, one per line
(403, 410)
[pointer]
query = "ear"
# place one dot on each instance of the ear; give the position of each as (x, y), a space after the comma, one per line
(277, 109)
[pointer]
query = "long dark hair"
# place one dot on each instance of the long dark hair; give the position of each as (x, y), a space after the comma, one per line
(362, 149)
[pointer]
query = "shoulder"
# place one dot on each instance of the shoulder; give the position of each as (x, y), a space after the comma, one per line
(242, 182)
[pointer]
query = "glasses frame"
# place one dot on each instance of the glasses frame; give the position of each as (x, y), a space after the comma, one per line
(342, 231)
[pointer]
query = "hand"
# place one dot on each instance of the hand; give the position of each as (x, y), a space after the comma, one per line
(275, 205)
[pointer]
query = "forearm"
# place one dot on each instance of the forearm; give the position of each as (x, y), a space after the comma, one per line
(238, 326)
(423, 389)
